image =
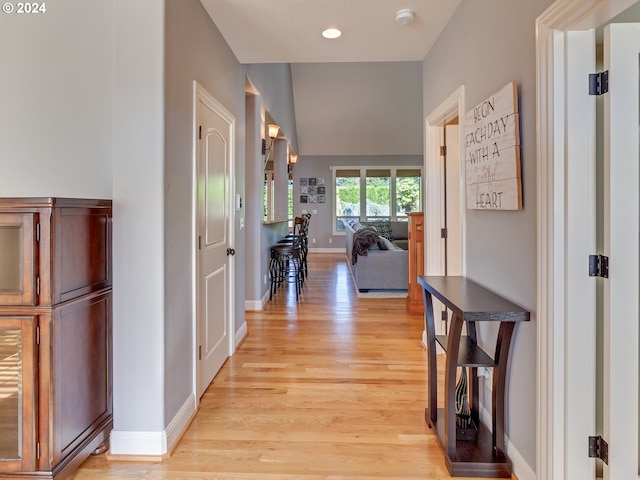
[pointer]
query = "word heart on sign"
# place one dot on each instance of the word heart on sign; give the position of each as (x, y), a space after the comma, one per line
(492, 146)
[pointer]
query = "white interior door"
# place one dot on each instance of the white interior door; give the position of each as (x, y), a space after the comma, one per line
(621, 354)
(214, 231)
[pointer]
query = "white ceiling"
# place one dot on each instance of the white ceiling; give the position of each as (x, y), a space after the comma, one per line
(289, 31)
(373, 106)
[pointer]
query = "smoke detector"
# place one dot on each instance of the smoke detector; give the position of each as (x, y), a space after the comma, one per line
(404, 16)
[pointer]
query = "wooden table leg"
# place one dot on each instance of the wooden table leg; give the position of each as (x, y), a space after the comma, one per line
(429, 327)
(499, 380)
(453, 347)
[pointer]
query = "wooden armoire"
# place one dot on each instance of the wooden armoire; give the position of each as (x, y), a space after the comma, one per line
(55, 334)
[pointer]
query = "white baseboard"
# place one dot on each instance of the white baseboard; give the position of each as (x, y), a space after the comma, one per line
(520, 466)
(256, 305)
(240, 334)
(328, 250)
(253, 305)
(153, 443)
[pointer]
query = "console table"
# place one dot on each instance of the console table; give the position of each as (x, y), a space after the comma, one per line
(469, 303)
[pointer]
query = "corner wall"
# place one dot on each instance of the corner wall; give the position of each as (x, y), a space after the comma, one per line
(195, 50)
(487, 44)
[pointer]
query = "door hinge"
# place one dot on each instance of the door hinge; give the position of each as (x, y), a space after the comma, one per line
(38, 335)
(598, 448)
(445, 316)
(598, 83)
(200, 132)
(443, 151)
(598, 266)
(444, 233)
(199, 352)
(199, 242)
(37, 232)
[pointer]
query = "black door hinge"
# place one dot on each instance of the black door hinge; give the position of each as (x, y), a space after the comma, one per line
(598, 83)
(200, 132)
(444, 233)
(598, 266)
(598, 448)
(443, 151)
(199, 242)
(200, 352)
(445, 316)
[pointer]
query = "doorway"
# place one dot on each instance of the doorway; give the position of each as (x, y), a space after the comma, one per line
(444, 198)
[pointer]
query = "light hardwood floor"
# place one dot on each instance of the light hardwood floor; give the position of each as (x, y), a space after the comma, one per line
(331, 387)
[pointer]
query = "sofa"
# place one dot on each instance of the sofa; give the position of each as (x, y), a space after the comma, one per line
(377, 255)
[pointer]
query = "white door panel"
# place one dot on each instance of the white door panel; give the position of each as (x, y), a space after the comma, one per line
(214, 229)
(621, 315)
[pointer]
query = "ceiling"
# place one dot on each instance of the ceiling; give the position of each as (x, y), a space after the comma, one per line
(371, 106)
(289, 31)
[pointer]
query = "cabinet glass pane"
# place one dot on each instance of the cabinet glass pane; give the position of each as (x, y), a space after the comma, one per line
(10, 394)
(10, 258)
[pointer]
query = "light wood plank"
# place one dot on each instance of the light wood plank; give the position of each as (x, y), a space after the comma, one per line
(332, 387)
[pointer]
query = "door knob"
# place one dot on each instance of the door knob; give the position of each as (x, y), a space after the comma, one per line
(231, 251)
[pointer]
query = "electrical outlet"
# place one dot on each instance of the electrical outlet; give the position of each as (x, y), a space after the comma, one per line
(265, 279)
(331, 240)
(313, 241)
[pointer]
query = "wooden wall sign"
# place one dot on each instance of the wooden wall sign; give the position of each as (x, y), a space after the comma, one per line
(492, 152)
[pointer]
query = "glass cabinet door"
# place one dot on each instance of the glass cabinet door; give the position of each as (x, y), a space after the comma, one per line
(17, 394)
(18, 259)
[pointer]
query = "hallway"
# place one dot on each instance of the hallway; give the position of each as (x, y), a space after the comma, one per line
(330, 387)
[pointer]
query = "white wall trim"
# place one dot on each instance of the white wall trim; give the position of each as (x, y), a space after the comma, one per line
(241, 333)
(138, 443)
(154, 443)
(328, 250)
(181, 421)
(520, 466)
(253, 305)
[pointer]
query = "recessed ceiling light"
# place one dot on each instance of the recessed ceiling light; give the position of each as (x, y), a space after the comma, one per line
(331, 33)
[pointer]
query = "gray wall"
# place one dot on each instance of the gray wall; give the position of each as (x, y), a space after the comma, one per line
(56, 92)
(194, 50)
(487, 44)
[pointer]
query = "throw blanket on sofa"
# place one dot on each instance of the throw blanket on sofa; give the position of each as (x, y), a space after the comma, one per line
(363, 238)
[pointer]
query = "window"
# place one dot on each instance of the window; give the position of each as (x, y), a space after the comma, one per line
(408, 192)
(347, 184)
(375, 193)
(378, 183)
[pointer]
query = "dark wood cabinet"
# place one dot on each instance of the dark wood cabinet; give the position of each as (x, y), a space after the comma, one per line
(55, 334)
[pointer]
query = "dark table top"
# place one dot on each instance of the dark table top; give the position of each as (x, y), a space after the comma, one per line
(471, 301)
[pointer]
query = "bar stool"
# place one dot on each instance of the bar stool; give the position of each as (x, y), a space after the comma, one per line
(285, 266)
